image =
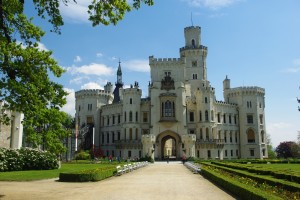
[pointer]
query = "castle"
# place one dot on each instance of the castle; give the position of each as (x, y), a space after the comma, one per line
(180, 116)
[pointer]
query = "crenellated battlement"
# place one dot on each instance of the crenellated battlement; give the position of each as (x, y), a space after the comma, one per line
(250, 90)
(201, 47)
(91, 92)
(225, 103)
(158, 61)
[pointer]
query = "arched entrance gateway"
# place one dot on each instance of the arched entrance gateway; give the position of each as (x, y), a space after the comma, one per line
(168, 144)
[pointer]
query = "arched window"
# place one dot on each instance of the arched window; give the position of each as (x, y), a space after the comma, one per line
(130, 116)
(206, 115)
(168, 108)
(200, 116)
(251, 136)
(193, 43)
(212, 115)
(125, 116)
(130, 134)
(130, 100)
(262, 135)
(206, 134)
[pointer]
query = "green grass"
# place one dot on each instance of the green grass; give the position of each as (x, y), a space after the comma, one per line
(48, 174)
(286, 166)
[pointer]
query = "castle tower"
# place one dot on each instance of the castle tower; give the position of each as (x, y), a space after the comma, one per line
(195, 56)
(119, 84)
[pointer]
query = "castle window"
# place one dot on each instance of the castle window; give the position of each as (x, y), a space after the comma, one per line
(125, 116)
(200, 116)
(205, 99)
(89, 107)
(195, 76)
(207, 134)
(79, 108)
(224, 118)
(261, 119)
(168, 109)
(102, 139)
(235, 121)
(130, 116)
(219, 120)
(113, 119)
(237, 153)
(119, 135)
(107, 138)
(129, 154)
(250, 119)
(225, 137)
(130, 100)
(206, 115)
(236, 137)
(231, 152)
(119, 119)
(194, 63)
(262, 135)
(230, 137)
(208, 154)
(191, 116)
(130, 134)
(225, 153)
(145, 117)
(250, 136)
(229, 119)
(193, 43)
(212, 115)
(168, 73)
(136, 117)
(201, 134)
(107, 120)
(113, 137)
(136, 133)
(251, 152)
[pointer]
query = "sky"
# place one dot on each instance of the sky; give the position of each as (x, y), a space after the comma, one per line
(253, 42)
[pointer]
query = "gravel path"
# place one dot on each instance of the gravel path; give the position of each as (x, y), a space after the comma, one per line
(171, 181)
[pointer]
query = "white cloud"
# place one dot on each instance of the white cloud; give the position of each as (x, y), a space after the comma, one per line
(137, 65)
(91, 69)
(78, 80)
(212, 4)
(295, 68)
(76, 12)
(91, 85)
(77, 59)
(70, 106)
(271, 127)
(41, 46)
(99, 54)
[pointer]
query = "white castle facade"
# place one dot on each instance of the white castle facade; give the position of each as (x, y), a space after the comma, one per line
(181, 116)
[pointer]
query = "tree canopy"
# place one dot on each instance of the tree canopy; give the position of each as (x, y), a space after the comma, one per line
(288, 149)
(25, 68)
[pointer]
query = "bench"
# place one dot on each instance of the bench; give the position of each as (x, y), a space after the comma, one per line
(193, 167)
(120, 170)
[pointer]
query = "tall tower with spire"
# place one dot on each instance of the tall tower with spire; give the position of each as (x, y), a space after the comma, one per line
(119, 84)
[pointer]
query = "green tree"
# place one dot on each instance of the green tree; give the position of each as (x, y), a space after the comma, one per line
(287, 149)
(271, 152)
(25, 69)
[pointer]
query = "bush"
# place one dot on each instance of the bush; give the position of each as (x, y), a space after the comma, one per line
(88, 175)
(147, 158)
(26, 159)
(83, 155)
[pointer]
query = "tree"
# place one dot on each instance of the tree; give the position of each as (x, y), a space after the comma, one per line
(287, 149)
(25, 69)
(271, 153)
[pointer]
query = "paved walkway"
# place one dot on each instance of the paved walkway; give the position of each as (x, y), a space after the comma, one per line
(171, 181)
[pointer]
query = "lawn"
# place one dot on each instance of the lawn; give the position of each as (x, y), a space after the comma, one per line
(48, 174)
(293, 167)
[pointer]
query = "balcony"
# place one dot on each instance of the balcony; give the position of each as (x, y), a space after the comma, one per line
(211, 143)
(128, 144)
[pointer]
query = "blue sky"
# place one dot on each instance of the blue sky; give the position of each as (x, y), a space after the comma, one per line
(254, 42)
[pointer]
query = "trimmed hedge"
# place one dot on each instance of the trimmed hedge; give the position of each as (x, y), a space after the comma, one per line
(87, 175)
(289, 186)
(242, 191)
(26, 159)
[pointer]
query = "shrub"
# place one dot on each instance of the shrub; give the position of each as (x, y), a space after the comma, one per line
(83, 155)
(87, 175)
(26, 159)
